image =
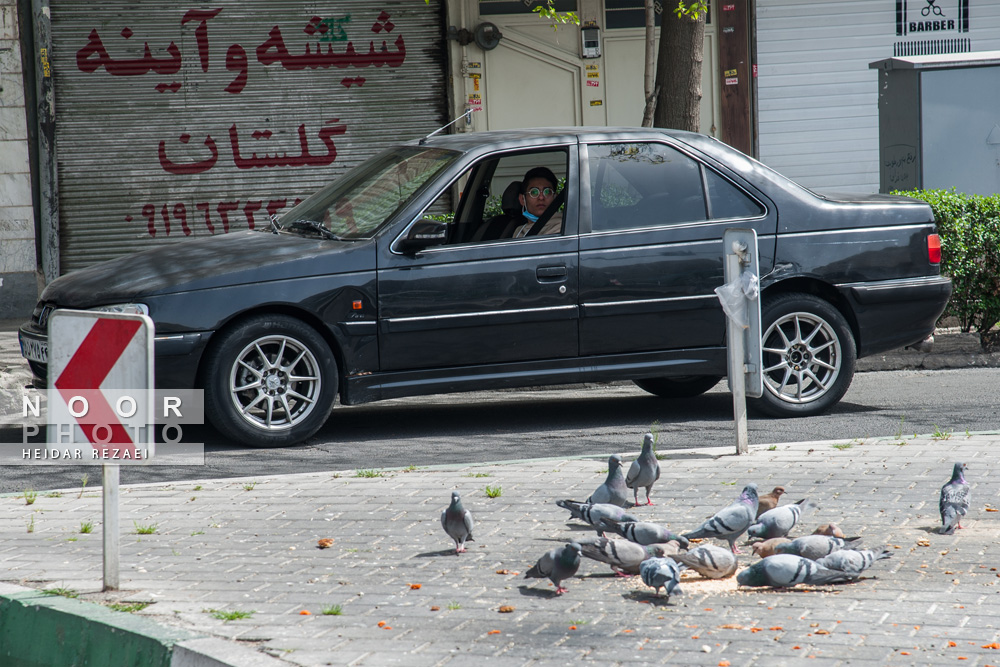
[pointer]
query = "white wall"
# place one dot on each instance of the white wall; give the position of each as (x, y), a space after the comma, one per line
(18, 289)
(817, 100)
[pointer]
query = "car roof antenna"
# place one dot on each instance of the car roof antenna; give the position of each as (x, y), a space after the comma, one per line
(468, 119)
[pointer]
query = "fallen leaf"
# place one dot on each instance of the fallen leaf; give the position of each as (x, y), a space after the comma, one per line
(503, 571)
(822, 632)
(756, 629)
(387, 627)
(952, 644)
(493, 632)
(796, 648)
(814, 625)
(435, 608)
(992, 509)
(325, 543)
(994, 645)
(414, 587)
(904, 653)
(381, 624)
(305, 612)
(731, 626)
(723, 663)
(923, 543)
(776, 628)
(572, 627)
(506, 609)
(627, 631)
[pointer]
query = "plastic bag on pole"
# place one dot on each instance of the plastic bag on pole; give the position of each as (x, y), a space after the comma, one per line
(734, 296)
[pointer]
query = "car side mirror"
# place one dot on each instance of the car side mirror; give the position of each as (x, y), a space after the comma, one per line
(424, 234)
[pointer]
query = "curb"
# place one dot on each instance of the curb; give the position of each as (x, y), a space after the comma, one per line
(40, 629)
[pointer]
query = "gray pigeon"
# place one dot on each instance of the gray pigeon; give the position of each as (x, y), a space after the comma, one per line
(729, 523)
(558, 564)
(852, 562)
(784, 570)
(644, 471)
(661, 573)
(623, 556)
(457, 522)
(814, 547)
(954, 500)
(644, 532)
(613, 491)
(779, 521)
(709, 561)
(595, 515)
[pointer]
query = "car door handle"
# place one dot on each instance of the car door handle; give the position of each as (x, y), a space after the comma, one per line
(551, 274)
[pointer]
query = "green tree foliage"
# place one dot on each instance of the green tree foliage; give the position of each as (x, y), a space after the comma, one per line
(969, 226)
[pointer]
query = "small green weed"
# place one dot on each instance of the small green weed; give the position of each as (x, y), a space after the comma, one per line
(31, 524)
(249, 486)
(368, 472)
(899, 432)
(494, 491)
(29, 496)
(478, 474)
(772, 448)
(333, 610)
(198, 532)
(58, 590)
(53, 494)
(145, 529)
(224, 615)
(130, 608)
(939, 434)
(198, 488)
(86, 526)
(454, 606)
(72, 539)
(728, 483)
(843, 445)
(83, 484)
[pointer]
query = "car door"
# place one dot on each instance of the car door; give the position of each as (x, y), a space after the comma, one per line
(467, 304)
(651, 246)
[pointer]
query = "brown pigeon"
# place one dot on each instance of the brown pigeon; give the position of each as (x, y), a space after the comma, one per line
(769, 501)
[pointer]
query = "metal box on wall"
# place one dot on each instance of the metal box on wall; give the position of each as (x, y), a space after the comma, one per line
(939, 122)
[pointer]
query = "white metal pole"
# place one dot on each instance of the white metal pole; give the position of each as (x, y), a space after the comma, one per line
(112, 527)
(737, 381)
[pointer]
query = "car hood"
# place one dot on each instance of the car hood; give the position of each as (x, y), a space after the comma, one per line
(207, 263)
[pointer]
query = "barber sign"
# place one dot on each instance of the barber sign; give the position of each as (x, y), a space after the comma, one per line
(100, 387)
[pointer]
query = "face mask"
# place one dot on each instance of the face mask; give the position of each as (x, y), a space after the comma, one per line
(529, 216)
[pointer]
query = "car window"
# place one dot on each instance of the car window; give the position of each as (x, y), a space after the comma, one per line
(368, 195)
(725, 200)
(643, 185)
(481, 205)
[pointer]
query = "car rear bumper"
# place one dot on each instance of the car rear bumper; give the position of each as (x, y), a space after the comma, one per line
(892, 314)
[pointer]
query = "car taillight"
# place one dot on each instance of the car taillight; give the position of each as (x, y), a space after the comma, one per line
(934, 249)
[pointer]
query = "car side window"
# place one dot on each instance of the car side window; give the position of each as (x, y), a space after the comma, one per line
(725, 200)
(638, 185)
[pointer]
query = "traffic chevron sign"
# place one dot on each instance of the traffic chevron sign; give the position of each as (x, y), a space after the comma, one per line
(100, 393)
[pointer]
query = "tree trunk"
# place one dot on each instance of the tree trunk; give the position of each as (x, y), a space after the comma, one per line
(678, 72)
(649, 66)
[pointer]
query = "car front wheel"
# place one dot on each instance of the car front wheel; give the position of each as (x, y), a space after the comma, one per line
(808, 356)
(270, 381)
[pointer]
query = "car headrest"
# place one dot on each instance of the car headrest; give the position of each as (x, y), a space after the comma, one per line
(509, 201)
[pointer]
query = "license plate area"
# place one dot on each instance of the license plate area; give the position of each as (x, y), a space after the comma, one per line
(34, 349)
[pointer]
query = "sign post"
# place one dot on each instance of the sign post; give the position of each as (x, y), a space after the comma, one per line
(739, 297)
(101, 402)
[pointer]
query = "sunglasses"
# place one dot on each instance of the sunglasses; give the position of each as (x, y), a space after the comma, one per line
(535, 193)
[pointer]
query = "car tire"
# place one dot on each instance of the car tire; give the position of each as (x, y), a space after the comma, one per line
(682, 386)
(270, 381)
(808, 356)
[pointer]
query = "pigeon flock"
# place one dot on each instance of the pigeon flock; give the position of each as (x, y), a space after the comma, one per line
(658, 555)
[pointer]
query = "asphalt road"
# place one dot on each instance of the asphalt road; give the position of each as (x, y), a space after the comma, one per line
(595, 420)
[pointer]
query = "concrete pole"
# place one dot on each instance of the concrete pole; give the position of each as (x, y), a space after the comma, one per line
(737, 381)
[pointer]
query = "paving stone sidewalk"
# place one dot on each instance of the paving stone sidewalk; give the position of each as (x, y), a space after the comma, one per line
(390, 590)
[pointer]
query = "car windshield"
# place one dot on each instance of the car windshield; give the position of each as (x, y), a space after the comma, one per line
(354, 206)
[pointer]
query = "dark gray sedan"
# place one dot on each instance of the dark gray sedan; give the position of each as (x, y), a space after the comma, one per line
(432, 267)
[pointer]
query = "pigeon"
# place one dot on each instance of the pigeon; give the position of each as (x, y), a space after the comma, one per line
(954, 500)
(644, 532)
(595, 514)
(851, 561)
(623, 556)
(457, 522)
(831, 529)
(779, 521)
(661, 573)
(814, 547)
(709, 561)
(644, 471)
(769, 501)
(613, 491)
(558, 564)
(783, 570)
(729, 523)
(767, 547)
